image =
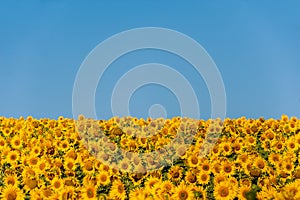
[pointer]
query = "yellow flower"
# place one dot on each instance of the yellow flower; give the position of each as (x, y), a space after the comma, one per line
(203, 178)
(89, 192)
(103, 177)
(12, 193)
(223, 191)
(16, 142)
(175, 173)
(261, 164)
(11, 180)
(12, 157)
(183, 192)
(69, 164)
(57, 183)
(226, 148)
(32, 161)
(117, 190)
(228, 168)
(151, 181)
(199, 193)
(274, 158)
(190, 177)
(242, 191)
(67, 192)
(193, 160)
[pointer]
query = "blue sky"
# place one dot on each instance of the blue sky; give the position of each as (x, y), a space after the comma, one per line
(255, 44)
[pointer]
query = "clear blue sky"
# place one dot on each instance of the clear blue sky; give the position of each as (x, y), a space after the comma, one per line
(255, 44)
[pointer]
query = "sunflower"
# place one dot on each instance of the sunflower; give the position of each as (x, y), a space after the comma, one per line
(190, 177)
(12, 157)
(199, 193)
(261, 164)
(64, 145)
(151, 182)
(6, 132)
(32, 161)
(118, 190)
(103, 178)
(3, 143)
(12, 193)
(203, 178)
(227, 168)
(287, 166)
(68, 192)
(175, 173)
(223, 191)
(226, 148)
(30, 183)
(220, 178)
(167, 186)
(11, 180)
(69, 164)
(183, 192)
(136, 194)
(205, 166)
(57, 183)
(36, 150)
(125, 165)
(193, 160)
(102, 196)
(16, 142)
(89, 192)
(274, 158)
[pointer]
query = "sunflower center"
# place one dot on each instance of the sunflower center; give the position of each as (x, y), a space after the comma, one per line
(192, 179)
(223, 192)
(288, 167)
(57, 184)
(13, 157)
(11, 182)
(103, 178)
(194, 160)
(90, 193)
(227, 169)
(205, 167)
(203, 177)
(120, 189)
(261, 165)
(176, 175)
(183, 195)
(12, 196)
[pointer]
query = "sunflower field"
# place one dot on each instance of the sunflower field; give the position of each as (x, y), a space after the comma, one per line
(130, 158)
